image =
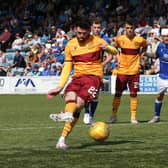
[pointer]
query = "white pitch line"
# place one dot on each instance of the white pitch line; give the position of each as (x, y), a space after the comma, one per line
(79, 125)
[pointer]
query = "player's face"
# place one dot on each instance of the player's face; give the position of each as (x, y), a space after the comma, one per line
(82, 34)
(95, 29)
(129, 30)
(165, 39)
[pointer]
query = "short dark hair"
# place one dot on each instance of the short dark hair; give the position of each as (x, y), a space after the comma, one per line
(83, 22)
(17, 50)
(130, 22)
(96, 21)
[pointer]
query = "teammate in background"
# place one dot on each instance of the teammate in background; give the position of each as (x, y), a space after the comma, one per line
(162, 55)
(90, 107)
(132, 48)
(83, 53)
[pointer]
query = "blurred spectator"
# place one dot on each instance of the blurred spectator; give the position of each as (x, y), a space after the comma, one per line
(36, 39)
(45, 71)
(59, 69)
(18, 65)
(163, 20)
(44, 37)
(42, 55)
(53, 70)
(52, 34)
(56, 49)
(26, 21)
(5, 38)
(48, 62)
(27, 71)
(18, 42)
(154, 68)
(28, 38)
(71, 33)
(34, 71)
(54, 21)
(3, 70)
(2, 58)
(50, 53)
(152, 42)
(32, 59)
(28, 34)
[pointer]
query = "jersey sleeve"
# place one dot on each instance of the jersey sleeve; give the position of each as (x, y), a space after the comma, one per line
(110, 49)
(67, 67)
(116, 42)
(157, 51)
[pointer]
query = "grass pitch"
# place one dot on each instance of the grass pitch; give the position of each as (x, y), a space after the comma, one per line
(28, 136)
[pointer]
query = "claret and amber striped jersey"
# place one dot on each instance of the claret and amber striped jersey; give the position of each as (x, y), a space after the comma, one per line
(129, 59)
(86, 58)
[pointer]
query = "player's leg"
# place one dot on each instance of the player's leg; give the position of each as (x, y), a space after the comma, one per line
(70, 96)
(70, 108)
(69, 125)
(90, 93)
(162, 89)
(121, 82)
(133, 83)
(157, 108)
(93, 107)
(89, 90)
(133, 106)
(86, 118)
(90, 109)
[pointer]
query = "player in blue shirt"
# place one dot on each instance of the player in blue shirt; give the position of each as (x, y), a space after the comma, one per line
(162, 54)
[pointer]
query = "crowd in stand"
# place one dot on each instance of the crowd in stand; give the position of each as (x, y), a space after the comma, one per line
(33, 34)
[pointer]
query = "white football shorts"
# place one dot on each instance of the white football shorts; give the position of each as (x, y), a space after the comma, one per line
(162, 85)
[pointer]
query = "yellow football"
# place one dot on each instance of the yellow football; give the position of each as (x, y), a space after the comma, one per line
(99, 131)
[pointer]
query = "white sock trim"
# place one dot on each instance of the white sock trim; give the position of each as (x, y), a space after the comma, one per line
(62, 138)
(157, 101)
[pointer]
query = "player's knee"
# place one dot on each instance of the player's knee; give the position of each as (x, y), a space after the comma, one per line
(70, 97)
(80, 103)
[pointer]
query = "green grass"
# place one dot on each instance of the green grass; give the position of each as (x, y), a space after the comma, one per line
(28, 137)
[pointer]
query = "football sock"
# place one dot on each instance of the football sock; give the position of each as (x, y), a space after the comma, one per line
(115, 104)
(68, 127)
(133, 104)
(70, 107)
(93, 108)
(158, 105)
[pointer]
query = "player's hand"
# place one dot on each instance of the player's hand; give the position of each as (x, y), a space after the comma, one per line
(103, 47)
(53, 92)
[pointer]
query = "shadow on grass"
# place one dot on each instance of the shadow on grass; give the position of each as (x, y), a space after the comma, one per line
(26, 153)
(105, 143)
(140, 122)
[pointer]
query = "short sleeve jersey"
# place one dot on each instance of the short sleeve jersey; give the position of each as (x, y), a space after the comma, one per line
(87, 57)
(129, 59)
(162, 54)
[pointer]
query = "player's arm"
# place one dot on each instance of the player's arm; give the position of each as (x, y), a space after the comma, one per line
(110, 51)
(143, 49)
(108, 59)
(64, 75)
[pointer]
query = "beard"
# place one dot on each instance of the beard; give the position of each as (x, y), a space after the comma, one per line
(82, 39)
